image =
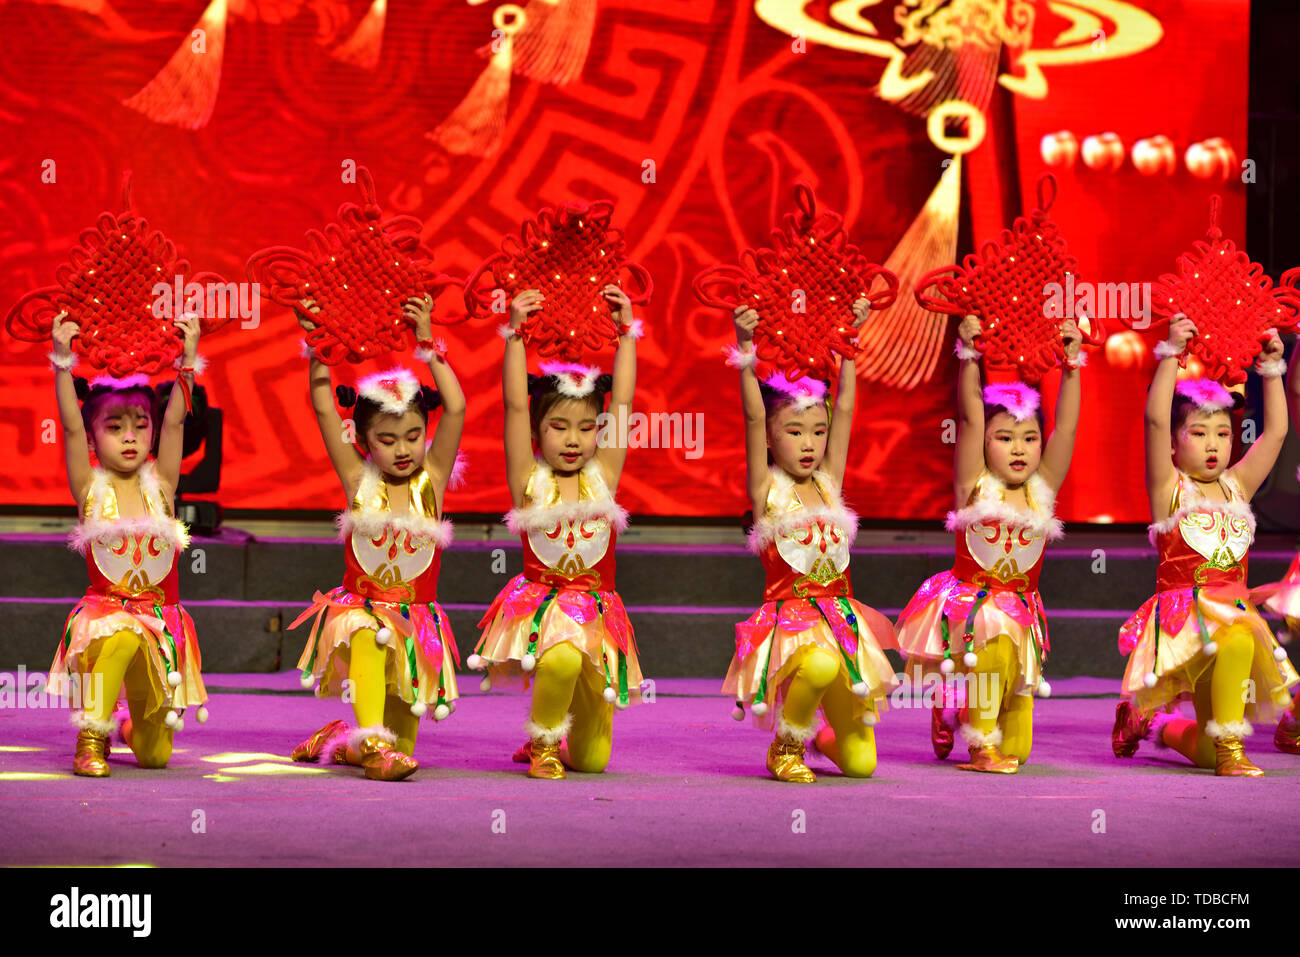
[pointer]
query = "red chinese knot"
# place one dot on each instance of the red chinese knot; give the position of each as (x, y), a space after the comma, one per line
(569, 255)
(1006, 285)
(107, 288)
(359, 271)
(803, 289)
(1229, 299)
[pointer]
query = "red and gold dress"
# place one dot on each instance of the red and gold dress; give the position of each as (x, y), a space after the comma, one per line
(390, 581)
(992, 588)
(1204, 549)
(807, 601)
(134, 585)
(566, 591)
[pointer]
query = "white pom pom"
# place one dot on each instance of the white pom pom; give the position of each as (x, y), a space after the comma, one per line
(180, 725)
(970, 660)
(170, 719)
(419, 708)
(738, 712)
(946, 666)
(383, 636)
(475, 662)
(174, 679)
(1149, 679)
(528, 662)
(1279, 654)
(202, 715)
(307, 681)
(485, 684)
(621, 705)
(1211, 648)
(610, 694)
(452, 707)
(860, 689)
(760, 709)
(441, 713)
(1044, 689)
(870, 718)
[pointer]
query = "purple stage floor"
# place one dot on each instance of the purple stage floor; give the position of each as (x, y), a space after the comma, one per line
(686, 787)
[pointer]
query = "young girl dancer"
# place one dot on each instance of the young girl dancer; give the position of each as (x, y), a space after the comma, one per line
(382, 632)
(1283, 597)
(1199, 636)
(130, 627)
(987, 609)
(561, 624)
(810, 645)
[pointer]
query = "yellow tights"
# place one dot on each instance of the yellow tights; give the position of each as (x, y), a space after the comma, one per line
(991, 688)
(817, 681)
(565, 680)
(1218, 696)
(371, 703)
(122, 659)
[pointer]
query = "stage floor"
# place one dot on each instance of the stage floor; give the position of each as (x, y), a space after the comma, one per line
(686, 787)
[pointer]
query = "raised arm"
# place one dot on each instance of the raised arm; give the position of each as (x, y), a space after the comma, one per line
(1059, 448)
(441, 456)
(347, 461)
(1260, 458)
(171, 432)
(514, 393)
(611, 457)
(836, 458)
(1161, 474)
(76, 448)
(968, 462)
(758, 477)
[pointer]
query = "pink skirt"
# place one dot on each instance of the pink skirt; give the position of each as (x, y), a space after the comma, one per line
(1177, 658)
(946, 599)
(768, 642)
(1282, 596)
(168, 640)
(418, 667)
(595, 622)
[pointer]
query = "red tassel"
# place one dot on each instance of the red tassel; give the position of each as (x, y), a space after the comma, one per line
(363, 47)
(474, 127)
(184, 92)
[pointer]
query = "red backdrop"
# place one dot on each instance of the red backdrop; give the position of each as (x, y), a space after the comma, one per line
(730, 113)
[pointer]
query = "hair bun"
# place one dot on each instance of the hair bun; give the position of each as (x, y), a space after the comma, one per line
(536, 384)
(604, 382)
(81, 386)
(347, 396)
(431, 398)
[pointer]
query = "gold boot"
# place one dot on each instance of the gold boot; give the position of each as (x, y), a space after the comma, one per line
(785, 760)
(1129, 730)
(314, 747)
(1287, 736)
(544, 761)
(940, 734)
(985, 755)
(375, 750)
(1230, 760)
(91, 760)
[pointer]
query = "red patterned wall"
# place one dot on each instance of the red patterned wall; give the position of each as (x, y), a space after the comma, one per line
(731, 116)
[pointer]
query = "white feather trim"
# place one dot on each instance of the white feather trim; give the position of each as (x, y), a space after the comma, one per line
(739, 358)
(1228, 729)
(768, 529)
(796, 732)
(393, 391)
(96, 530)
(1165, 350)
(440, 532)
(635, 329)
(536, 518)
(544, 735)
(978, 739)
(990, 507)
(1235, 507)
(84, 722)
(458, 471)
(200, 364)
